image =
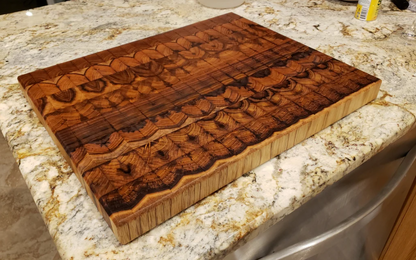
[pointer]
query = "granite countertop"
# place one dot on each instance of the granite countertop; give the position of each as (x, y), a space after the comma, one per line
(222, 222)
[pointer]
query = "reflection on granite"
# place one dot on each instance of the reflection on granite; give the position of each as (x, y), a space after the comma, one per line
(23, 235)
(223, 221)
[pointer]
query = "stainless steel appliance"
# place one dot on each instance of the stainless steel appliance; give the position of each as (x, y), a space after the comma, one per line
(349, 220)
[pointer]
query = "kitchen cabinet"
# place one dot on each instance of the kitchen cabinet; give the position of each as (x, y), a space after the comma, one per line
(402, 241)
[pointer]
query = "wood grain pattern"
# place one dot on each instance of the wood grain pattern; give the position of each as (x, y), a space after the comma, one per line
(153, 126)
(402, 240)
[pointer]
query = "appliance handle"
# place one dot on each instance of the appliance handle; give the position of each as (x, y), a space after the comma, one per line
(311, 247)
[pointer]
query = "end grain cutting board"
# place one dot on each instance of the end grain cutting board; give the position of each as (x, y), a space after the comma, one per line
(153, 126)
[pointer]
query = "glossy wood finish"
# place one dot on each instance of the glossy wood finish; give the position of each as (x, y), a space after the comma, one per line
(153, 126)
(402, 241)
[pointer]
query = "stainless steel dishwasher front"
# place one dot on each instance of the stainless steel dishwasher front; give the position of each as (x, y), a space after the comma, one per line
(350, 219)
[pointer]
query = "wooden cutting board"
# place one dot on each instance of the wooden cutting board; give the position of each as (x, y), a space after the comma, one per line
(153, 126)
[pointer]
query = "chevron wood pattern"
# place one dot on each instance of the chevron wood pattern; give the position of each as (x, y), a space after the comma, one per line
(153, 126)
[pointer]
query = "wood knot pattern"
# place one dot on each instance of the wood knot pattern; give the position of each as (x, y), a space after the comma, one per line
(153, 126)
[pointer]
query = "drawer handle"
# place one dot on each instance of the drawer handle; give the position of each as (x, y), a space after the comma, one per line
(311, 247)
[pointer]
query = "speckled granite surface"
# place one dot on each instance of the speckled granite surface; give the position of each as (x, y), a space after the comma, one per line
(220, 223)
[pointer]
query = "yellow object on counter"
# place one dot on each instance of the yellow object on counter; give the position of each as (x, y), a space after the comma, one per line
(367, 10)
